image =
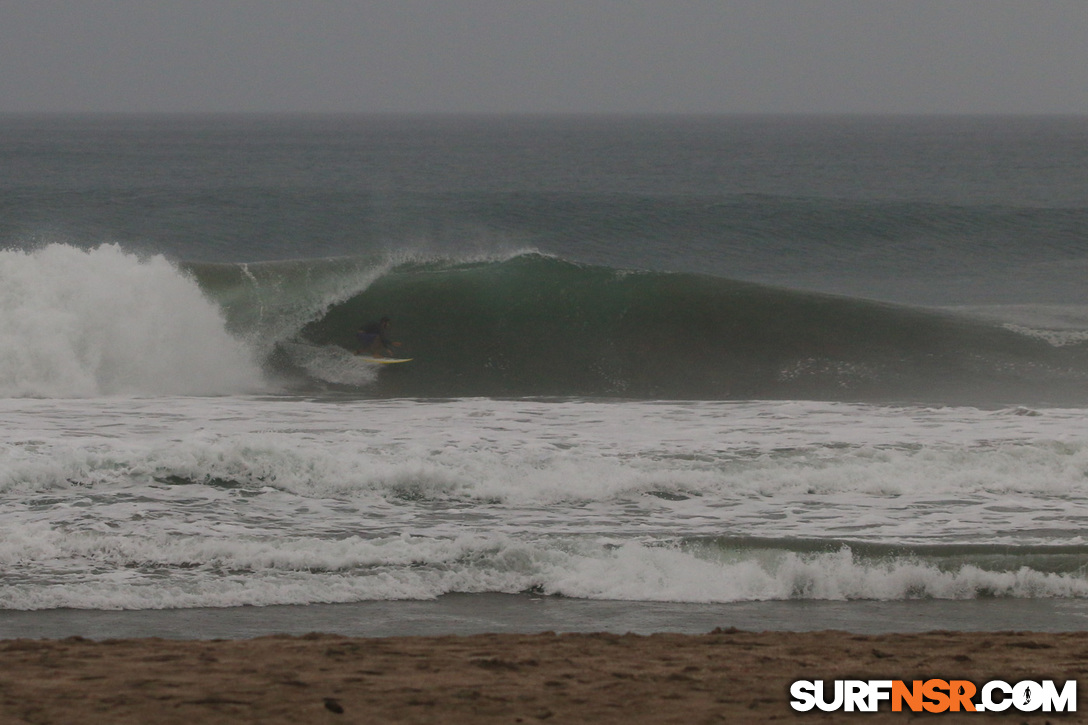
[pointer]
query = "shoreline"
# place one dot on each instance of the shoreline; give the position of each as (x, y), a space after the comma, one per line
(727, 675)
(467, 614)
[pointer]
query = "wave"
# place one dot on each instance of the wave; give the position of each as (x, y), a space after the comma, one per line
(529, 324)
(105, 321)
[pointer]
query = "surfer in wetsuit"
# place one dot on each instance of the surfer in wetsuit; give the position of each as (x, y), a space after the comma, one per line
(374, 339)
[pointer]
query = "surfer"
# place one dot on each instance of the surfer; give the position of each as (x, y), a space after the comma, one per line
(374, 339)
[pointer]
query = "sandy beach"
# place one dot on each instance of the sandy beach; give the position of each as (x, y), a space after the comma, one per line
(723, 676)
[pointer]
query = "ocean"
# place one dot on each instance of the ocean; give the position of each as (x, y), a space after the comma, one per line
(668, 374)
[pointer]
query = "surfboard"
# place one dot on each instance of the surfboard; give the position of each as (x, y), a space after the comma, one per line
(383, 360)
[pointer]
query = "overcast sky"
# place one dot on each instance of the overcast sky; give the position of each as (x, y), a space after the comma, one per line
(551, 56)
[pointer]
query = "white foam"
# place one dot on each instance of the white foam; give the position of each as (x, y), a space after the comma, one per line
(109, 571)
(77, 323)
(163, 502)
(330, 363)
(1059, 325)
(636, 572)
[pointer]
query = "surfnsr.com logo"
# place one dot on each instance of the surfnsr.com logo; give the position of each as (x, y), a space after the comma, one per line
(933, 696)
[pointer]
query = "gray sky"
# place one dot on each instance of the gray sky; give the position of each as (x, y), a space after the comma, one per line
(487, 56)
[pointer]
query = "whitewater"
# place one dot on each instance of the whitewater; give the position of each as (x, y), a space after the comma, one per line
(183, 502)
(708, 392)
(79, 323)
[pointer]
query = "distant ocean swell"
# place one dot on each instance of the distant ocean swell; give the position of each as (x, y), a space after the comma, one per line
(918, 234)
(104, 321)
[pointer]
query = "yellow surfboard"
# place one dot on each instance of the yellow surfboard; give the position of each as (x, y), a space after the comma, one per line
(383, 360)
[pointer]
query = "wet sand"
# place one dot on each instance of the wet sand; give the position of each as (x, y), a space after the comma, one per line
(724, 676)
